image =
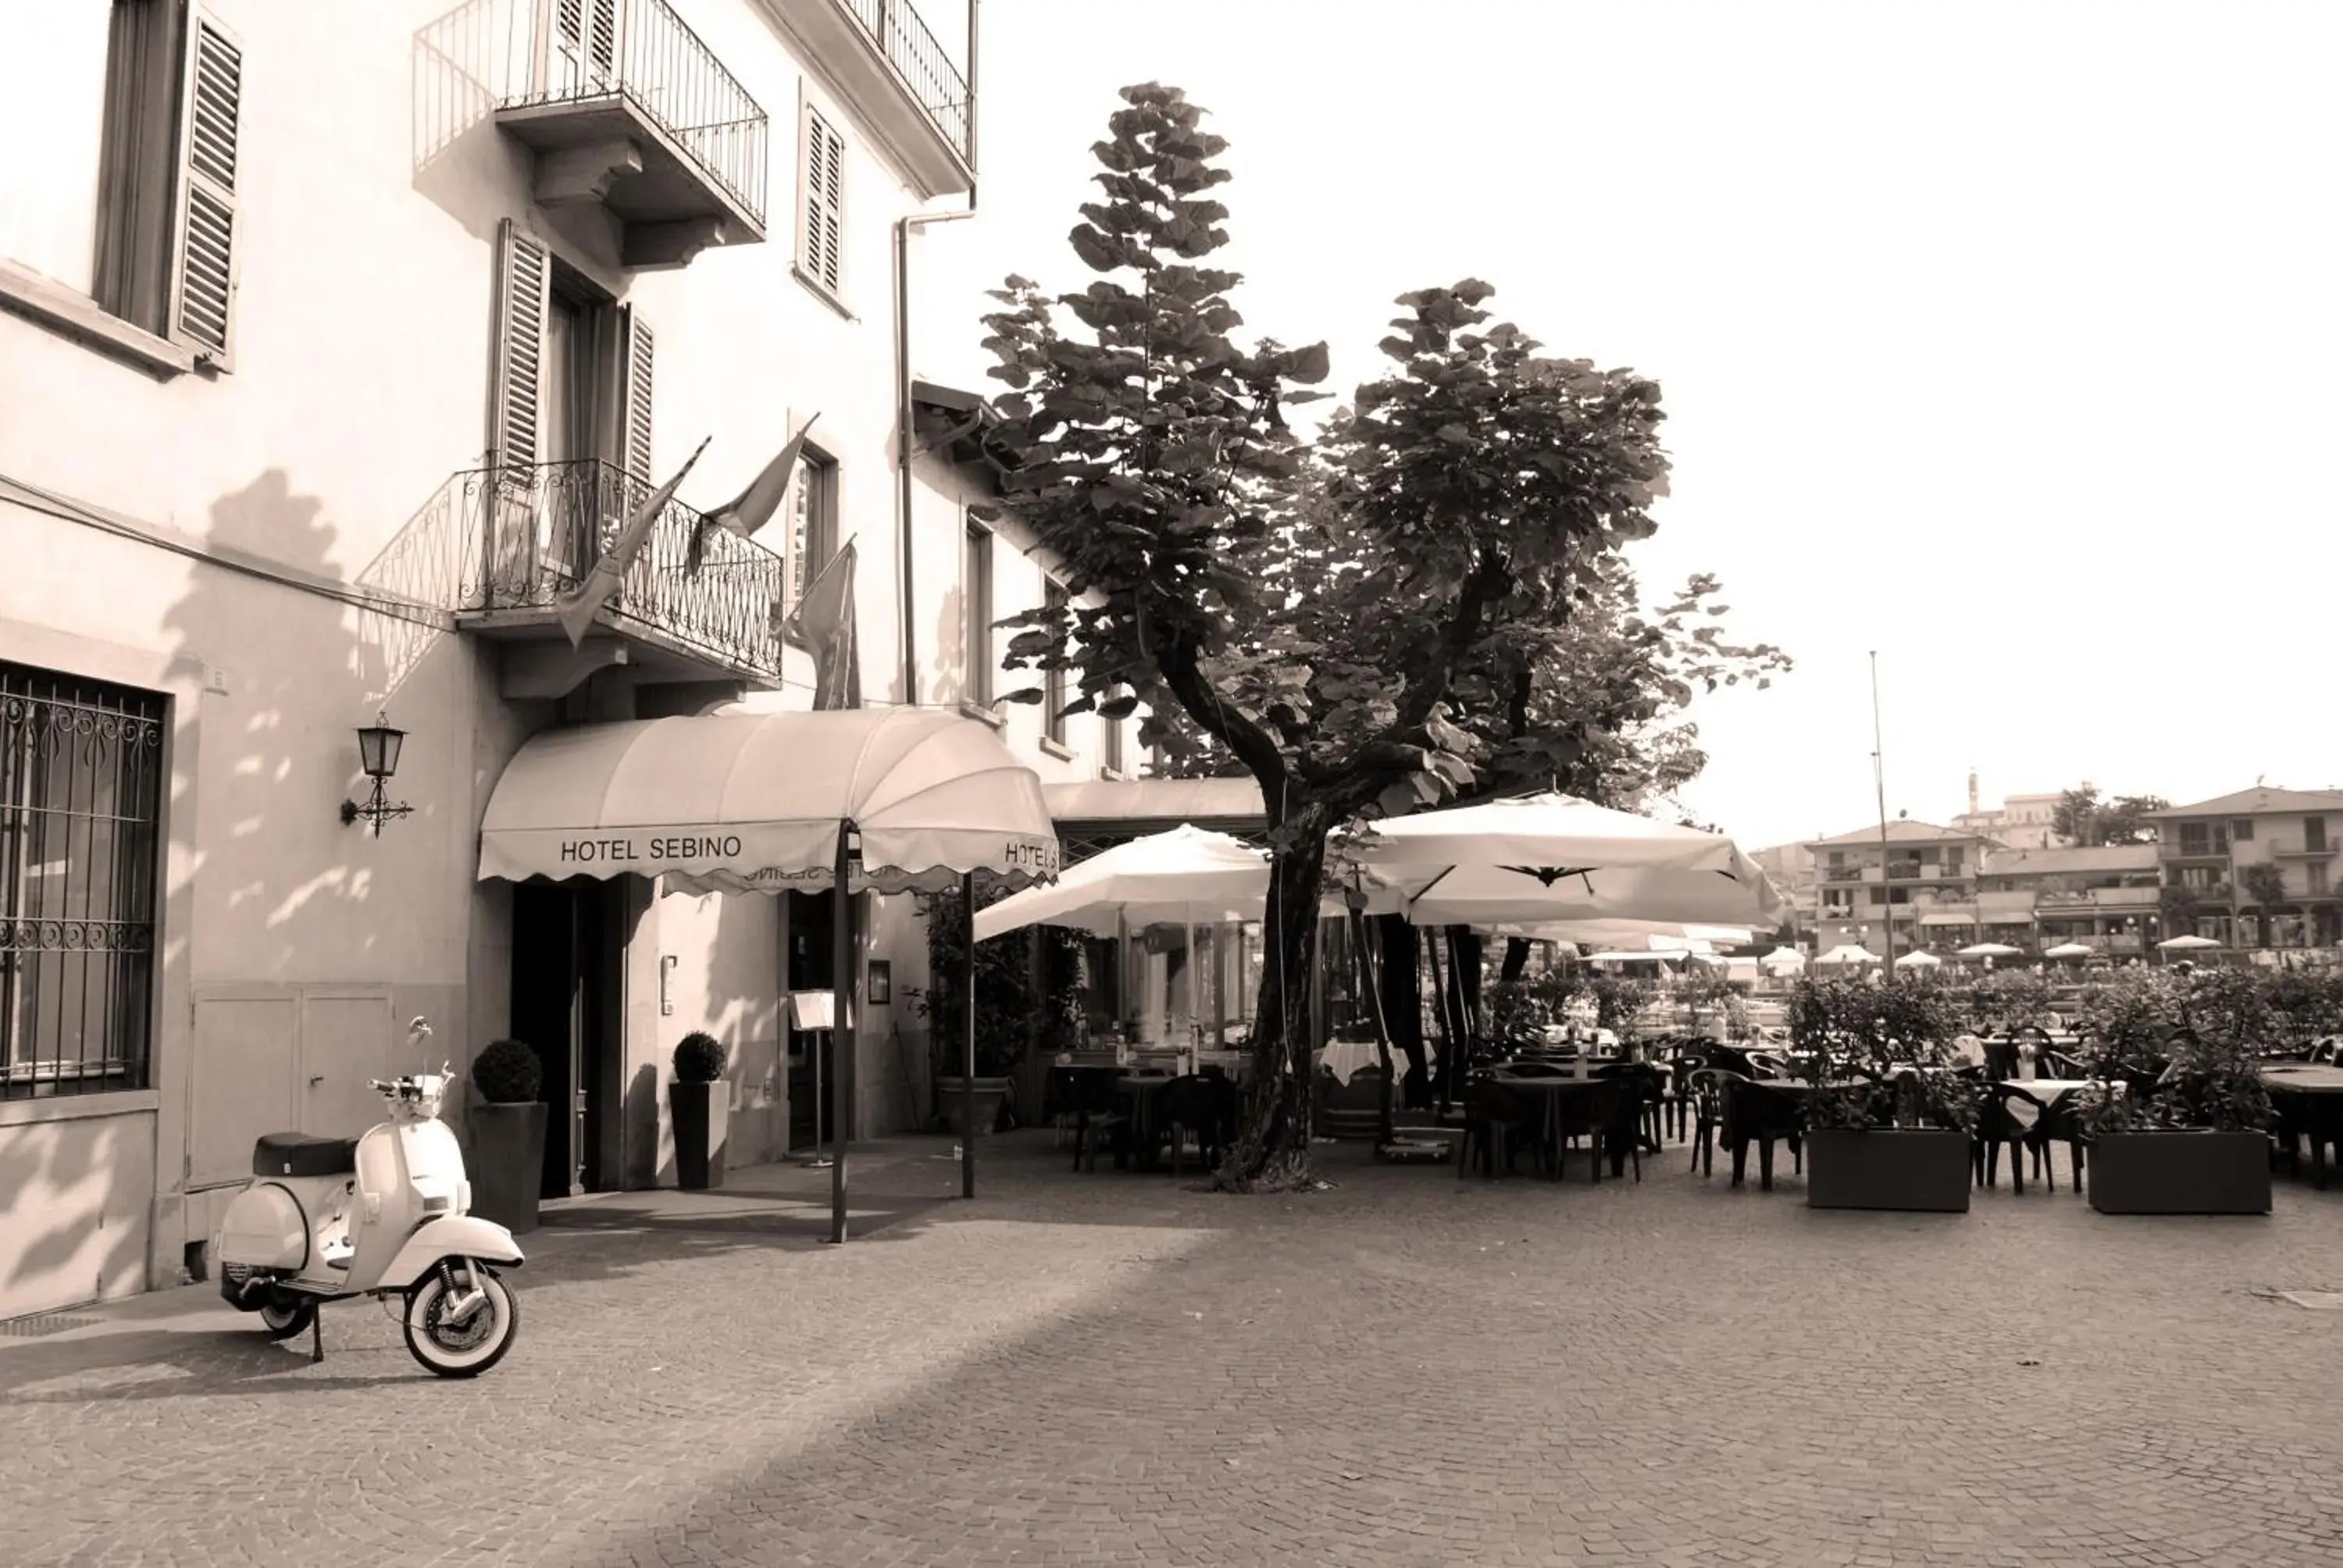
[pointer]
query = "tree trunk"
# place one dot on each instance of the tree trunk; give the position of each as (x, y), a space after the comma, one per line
(1273, 1146)
(1402, 995)
(1372, 989)
(1517, 959)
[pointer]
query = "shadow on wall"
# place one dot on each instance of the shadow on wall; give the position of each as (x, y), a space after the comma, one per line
(462, 164)
(950, 638)
(55, 1178)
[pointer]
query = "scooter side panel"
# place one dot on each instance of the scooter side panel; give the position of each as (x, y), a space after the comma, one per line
(456, 1236)
(264, 1227)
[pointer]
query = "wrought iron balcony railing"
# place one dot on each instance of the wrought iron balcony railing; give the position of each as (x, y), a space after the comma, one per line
(530, 535)
(639, 50)
(924, 66)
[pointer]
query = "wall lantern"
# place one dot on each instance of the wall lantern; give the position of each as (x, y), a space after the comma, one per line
(378, 746)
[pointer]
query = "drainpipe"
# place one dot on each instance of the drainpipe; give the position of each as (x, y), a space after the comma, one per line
(907, 609)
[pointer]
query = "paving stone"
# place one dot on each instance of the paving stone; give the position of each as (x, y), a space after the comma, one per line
(1110, 1369)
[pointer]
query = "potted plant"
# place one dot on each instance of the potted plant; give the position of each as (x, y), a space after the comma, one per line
(700, 1102)
(1014, 1006)
(1889, 1123)
(507, 1168)
(2192, 1137)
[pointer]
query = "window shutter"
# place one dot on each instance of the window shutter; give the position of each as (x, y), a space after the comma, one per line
(635, 430)
(586, 46)
(523, 282)
(825, 196)
(203, 264)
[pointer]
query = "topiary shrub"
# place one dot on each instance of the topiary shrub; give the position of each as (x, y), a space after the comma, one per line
(507, 1072)
(699, 1059)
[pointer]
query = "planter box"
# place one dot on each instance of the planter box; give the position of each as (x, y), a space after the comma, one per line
(703, 1117)
(1913, 1169)
(991, 1093)
(2180, 1173)
(507, 1165)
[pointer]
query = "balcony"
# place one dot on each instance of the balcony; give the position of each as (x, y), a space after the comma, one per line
(524, 536)
(2302, 849)
(626, 110)
(2194, 849)
(913, 94)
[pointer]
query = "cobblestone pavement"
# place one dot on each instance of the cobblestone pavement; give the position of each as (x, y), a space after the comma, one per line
(1112, 1369)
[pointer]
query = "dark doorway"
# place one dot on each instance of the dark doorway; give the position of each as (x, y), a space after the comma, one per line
(812, 933)
(567, 952)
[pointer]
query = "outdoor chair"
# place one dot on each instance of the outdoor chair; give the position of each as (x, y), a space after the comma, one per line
(1096, 1105)
(1707, 1087)
(2001, 1058)
(2316, 1117)
(1756, 1114)
(1196, 1106)
(1998, 1127)
(1648, 1104)
(1496, 1123)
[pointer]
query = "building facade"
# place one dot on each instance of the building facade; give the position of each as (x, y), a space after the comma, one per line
(2104, 898)
(2255, 869)
(1920, 884)
(333, 351)
(2019, 822)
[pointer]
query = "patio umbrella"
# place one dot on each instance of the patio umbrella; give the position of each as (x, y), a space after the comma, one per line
(1548, 857)
(1784, 959)
(2071, 951)
(1616, 933)
(1918, 959)
(1847, 953)
(1990, 950)
(859, 799)
(2186, 944)
(1186, 877)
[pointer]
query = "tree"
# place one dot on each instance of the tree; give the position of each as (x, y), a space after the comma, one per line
(2265, 884)
(2082, 819)
(1308, 613)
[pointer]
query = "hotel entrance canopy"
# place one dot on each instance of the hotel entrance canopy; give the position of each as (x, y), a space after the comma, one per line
(883, 800)
(754, 803)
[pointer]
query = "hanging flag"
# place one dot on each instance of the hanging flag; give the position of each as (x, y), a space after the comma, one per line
(753, 507)
(825, 619)
(578, 607)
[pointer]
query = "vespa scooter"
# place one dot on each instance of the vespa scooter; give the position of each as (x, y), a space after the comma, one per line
(385, 1215)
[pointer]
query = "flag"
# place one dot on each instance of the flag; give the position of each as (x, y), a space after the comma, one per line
(753, 507)
(578, 607)
(825, 619)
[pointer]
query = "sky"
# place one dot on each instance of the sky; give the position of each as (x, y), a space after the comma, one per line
(2002, 340)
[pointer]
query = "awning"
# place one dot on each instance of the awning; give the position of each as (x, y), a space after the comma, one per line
(1948, 919)
(753, 803)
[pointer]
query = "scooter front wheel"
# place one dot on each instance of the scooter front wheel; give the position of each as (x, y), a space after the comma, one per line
(286, 1316)
(468, 1346)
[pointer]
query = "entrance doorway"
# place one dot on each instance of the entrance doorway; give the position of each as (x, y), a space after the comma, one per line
(568, 944)
(812, 934)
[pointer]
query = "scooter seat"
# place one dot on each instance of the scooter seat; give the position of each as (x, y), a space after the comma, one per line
(298, 1154)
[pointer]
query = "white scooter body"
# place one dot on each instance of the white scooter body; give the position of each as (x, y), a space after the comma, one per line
(330, 1220)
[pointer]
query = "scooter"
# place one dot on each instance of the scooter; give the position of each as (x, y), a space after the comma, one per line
(385, 1215)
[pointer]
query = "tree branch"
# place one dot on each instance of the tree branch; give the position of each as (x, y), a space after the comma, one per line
(1176, 659)
(1489, 580)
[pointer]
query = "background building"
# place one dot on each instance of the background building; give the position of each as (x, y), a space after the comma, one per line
(1921, 881)
(2019, 822)
(2255, 869)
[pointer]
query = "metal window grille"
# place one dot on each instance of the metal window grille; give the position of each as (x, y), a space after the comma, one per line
(81, 789)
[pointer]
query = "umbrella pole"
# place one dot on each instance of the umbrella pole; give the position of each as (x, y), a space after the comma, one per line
(968, 1039)
(841, 1081)
(1370, 978)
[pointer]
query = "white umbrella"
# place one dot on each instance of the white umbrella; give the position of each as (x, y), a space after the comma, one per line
(1186, 877)
(1633, 958)
(1990, 950)
(1918, 959)
(1618, 933)
(1848, 954)
(2186, 944)
(1548, 857)
(1784, 959)
(2071, 951)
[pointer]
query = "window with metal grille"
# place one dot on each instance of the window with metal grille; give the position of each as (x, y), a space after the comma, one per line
(81, 789)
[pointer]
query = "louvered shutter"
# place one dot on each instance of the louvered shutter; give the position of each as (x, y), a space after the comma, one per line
(586, 46)
(635, 408)
(524, 284)
(825, 196)
(203, 250)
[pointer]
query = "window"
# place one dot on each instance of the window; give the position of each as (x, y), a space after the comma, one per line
(821, 203)
(1053, 681)
(1952, 862)
(2242, 831)
(976, 614)
(2314, 835)
(1111, 748)
(81, 793)
(813, 520)
(143, 230)
(2316, 874)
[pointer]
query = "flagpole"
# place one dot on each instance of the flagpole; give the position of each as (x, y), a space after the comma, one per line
(1879, 782)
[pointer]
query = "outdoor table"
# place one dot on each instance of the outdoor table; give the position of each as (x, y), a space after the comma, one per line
(2049, 1092)
(1550, 1092)
(1141, 1093)
(2318, 1087)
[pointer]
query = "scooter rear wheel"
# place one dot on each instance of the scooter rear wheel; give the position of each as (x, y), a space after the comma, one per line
(471, 1345)
(286, 1316)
